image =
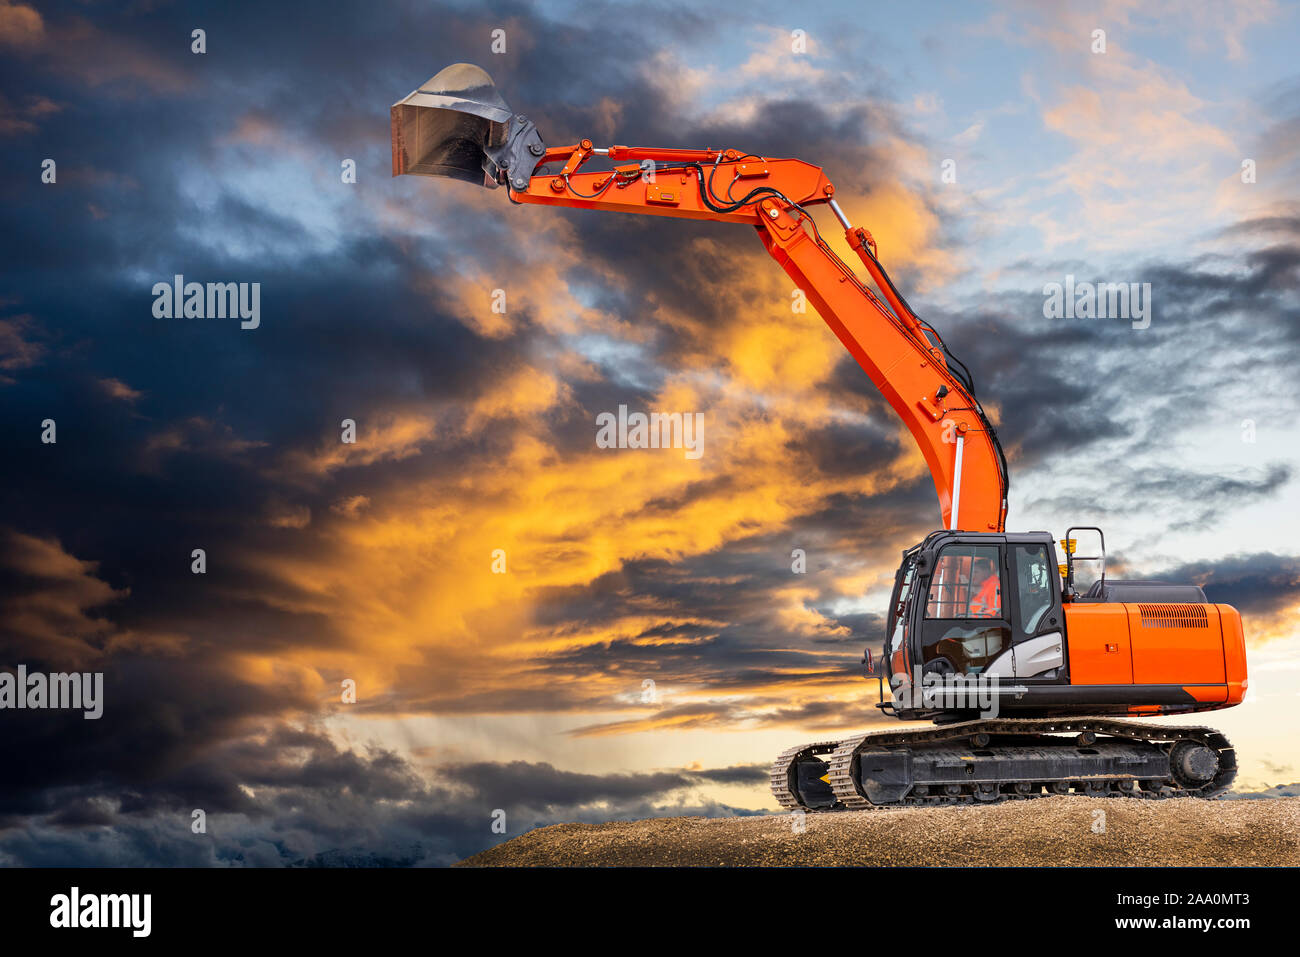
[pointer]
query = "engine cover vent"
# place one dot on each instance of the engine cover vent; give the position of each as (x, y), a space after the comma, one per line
(1174, 616)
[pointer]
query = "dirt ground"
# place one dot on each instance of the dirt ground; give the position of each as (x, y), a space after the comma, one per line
(1054, 831)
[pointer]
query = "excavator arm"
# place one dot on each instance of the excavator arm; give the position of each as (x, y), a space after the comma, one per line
(457, 125)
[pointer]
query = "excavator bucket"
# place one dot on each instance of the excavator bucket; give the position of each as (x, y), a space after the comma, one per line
(458, 126)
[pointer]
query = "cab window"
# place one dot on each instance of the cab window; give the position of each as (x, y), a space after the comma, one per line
(966, 583)
(1034, 582)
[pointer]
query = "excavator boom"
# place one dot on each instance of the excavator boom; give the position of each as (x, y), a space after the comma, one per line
(457, 126)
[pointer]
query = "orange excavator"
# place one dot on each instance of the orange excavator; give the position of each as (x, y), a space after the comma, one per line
(1030, 685)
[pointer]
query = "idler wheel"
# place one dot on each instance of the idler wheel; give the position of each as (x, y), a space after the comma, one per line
(1193, 763)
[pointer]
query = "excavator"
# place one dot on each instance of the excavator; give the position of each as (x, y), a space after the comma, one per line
(1029, 685)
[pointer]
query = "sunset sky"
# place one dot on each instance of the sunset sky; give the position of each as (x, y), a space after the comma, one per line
(526, 691)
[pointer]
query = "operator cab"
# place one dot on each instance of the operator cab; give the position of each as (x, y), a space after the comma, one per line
(972, 604)
(994, 613)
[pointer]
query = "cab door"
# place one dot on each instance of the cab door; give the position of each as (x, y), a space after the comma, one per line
(1038, 648)
(898, 625)
(965, 624)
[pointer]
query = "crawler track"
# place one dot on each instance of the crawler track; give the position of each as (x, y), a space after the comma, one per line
(783, 770)
(1035, 744)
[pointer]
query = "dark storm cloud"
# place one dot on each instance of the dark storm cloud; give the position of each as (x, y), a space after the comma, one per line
(1105, 399)
(1262, 583)
(744, 646)
(301, 801)
(739, 774)
(831, 716)
(1265, 226)
(846, 449)
(547, 786)
(1207, 496)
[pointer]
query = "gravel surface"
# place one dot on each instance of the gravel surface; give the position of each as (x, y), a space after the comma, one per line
(1046, 831)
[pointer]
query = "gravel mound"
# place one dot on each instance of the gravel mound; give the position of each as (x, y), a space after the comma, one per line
(1060, 831)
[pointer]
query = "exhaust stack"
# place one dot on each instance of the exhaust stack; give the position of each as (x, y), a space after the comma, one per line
(458, 126)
